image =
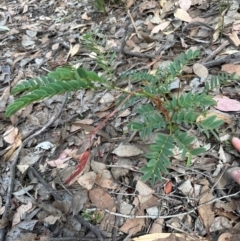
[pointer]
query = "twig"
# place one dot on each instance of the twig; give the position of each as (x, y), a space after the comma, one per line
(45, 184)
(130, 16)
(49, 123)
(196, 24)
(124, 37)
(132, 168)
(141, 55)
(217, 50)
(126, 28)
(174, 215)
(88, 225)
(15, 160)
(132, 136)
(74, 239)
(233, 58)
(182, 231)
(215, 183)
(101, 125)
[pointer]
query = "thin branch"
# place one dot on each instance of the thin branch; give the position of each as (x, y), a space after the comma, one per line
(182, 231)
(45, 184)
(93, 228)
(174, 215)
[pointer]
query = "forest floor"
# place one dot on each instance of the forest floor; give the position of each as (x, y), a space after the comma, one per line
(43, 144)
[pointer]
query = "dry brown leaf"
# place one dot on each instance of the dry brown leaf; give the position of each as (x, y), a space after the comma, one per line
(76, 125)
(145, 192)
(125, 113)
(220, 116)
(22, 168)
(156, 19)
(167, 5)
(130, 3)
(108, 222)
(73, 50)
(234, 37)
(3, 222)
(150, 201)
(160, 27)
(10, 134)
(106, 98)
(220, 223)
(127, 151)
(87, 180)
(4, 98)
(130, 43)
(101, 199)
(55, 46)
(168, 237)
(206, 212)
(182, 15)
(23, 209)
(102, 114)
(143, 188)
(147, 5)
(225, 237)
(133, 226)
(231, 68)
(51, 219)
(105, 180)
(200, 70)
(146, 37)
(236, 27)
(17, 143)
(78, 200)
(218, 28)
(157, 226)
(106, 183)
(223, 213)
(85, 16)
(98, 167)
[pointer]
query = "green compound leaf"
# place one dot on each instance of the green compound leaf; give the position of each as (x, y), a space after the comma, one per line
(59, 81)
(183, 141)
(182, 109)
(190, 101)
(220, 79)
(151, 120)
(211, 123)
(159, 158)
(185, 116)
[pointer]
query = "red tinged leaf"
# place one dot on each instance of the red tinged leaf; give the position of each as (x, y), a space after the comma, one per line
(82, 163)
(100, 154)
(226, 104)
(168, 187)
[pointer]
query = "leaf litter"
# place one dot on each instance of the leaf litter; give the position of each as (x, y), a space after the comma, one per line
(60, 179)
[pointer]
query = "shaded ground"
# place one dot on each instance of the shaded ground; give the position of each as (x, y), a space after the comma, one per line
(42, 144)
